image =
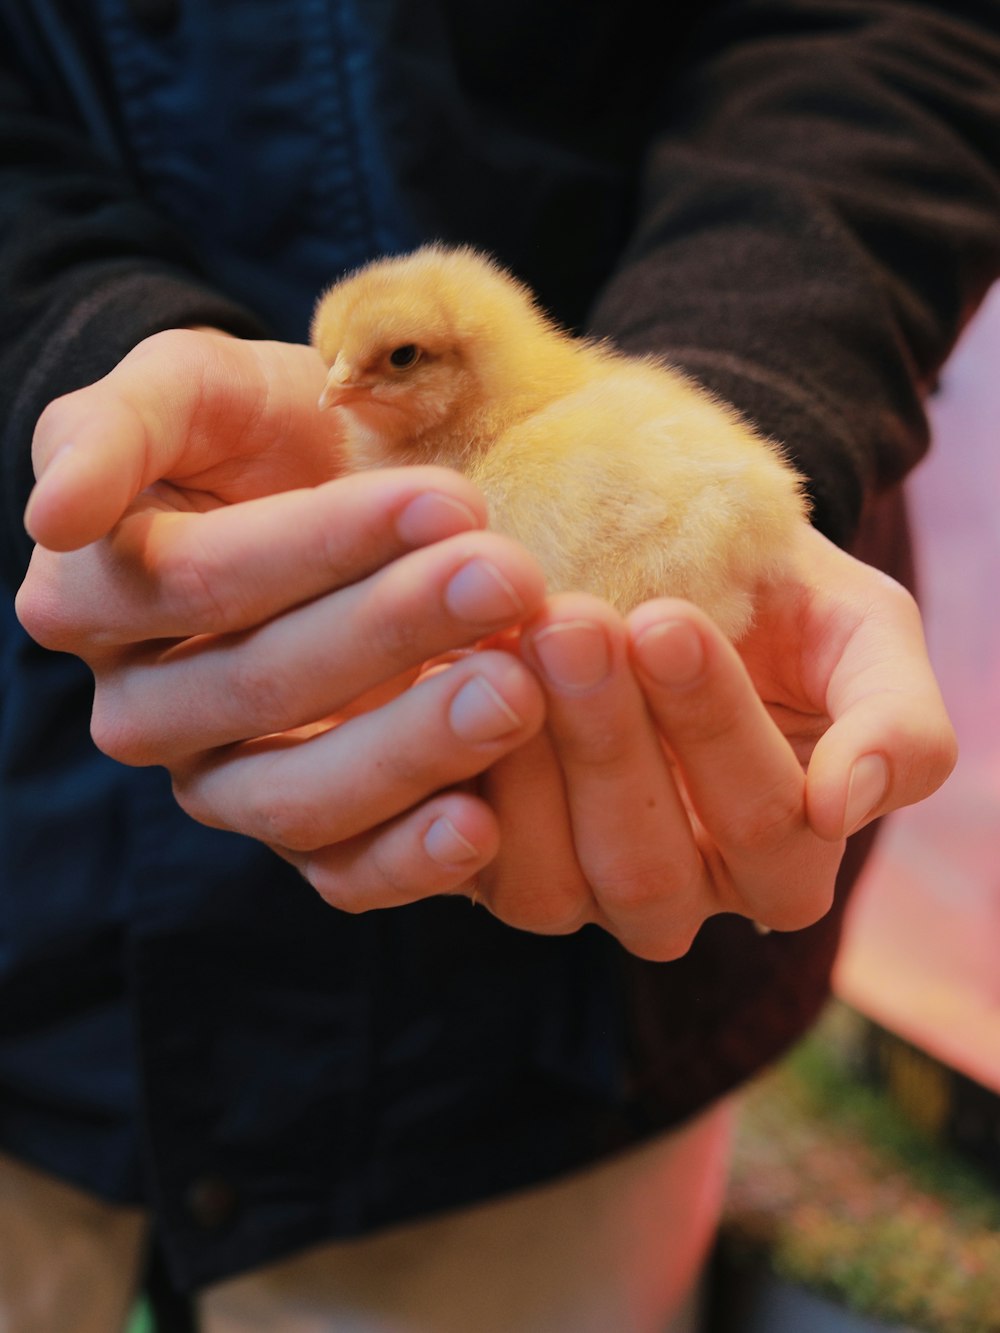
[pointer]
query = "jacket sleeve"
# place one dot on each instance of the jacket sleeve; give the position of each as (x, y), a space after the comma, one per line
(87, 270)
(820, 215)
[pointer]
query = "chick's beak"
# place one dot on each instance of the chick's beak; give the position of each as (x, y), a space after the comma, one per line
(341, 386)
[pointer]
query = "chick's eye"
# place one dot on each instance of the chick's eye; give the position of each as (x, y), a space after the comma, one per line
(404, 356)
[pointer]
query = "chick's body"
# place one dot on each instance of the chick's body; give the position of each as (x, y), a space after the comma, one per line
(622, 476)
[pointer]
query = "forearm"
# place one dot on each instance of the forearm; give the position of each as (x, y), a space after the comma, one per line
(820, 214)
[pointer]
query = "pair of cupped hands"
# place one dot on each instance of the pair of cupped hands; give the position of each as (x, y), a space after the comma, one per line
(359, 674)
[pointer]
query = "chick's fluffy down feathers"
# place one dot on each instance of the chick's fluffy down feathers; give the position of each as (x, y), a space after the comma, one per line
(622, 476)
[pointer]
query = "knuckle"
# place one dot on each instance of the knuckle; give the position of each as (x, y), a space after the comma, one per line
(193, 589)
(629, 887)
(801, 909)
(173, 347)
(406, 774)
(896, 593)
(258, 695)
(707, 714)
(275, 815)
(603, 745)
(399, 765)
(544, 911)
(392, 880)
(543, 923)
(188, 793)
(947, 762)
(552, 914)
(41, 616)
(557, 918)
(359, 875)
(769, 820)
(666, 948)
(53, 603)
(115, 733)
(944, 757)
(337, 890)
(251, 795)
(706, 719)
(392, 632)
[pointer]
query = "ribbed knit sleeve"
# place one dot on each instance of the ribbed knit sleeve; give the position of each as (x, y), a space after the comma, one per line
(820, 215)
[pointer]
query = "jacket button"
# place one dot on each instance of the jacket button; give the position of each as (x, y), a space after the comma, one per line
(158, 17)
(211, 1202)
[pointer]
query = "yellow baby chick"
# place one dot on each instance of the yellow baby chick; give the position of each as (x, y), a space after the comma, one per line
(619, 474)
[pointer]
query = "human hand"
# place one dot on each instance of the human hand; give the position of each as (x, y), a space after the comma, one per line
(260, 649)
(221, 418)
(174, 607)
(679, 777)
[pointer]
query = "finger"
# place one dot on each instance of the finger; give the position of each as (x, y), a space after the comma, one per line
(164, 575)
(535, 881)
(307, 794)
(180, 405)
(438, 848)
(632, 835)
(316, 659)
(891, 742)
(741, 775)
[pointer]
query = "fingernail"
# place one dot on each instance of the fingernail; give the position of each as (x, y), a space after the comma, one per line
(575, 655)
(480, 594)
(672, 653)
(431, 517)
(445, 844)
(479, 712)
(868, 784)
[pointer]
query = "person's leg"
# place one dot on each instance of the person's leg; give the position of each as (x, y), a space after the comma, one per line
(619, 1248)
(69, 1263)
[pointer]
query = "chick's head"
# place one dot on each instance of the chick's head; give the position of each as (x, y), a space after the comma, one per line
(421, 347)
(393, 358)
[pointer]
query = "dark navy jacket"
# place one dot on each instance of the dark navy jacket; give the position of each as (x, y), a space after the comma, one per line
(797, 200)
